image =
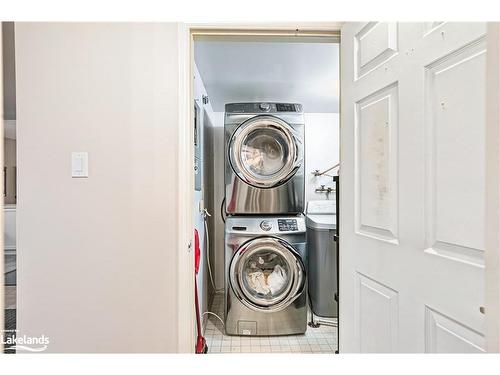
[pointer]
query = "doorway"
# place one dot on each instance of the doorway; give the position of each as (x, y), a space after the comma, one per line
(9, 277)
(274, 72)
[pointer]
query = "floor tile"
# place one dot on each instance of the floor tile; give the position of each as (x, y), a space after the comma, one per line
(315, 340)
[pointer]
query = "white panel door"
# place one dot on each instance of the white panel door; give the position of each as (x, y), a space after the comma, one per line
(412, 187)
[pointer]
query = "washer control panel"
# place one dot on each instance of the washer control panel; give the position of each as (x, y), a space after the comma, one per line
(287, 225)
(266, 225)
(265, 106)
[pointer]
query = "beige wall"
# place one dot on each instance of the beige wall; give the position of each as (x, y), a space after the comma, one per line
(97, 259)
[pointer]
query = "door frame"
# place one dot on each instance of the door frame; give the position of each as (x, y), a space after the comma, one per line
(187, 33)
(185, 156)
(2, 256)
(492, 254)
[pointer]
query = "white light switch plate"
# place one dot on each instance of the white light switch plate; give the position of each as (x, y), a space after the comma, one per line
(79, 164)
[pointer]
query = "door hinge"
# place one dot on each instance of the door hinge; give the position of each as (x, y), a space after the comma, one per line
(205, 99)
(336, 297)
(482, 310)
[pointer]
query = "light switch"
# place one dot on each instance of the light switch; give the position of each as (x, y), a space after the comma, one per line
(79, 164)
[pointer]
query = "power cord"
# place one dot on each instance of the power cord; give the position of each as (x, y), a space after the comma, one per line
(207, 237)
(214, 314)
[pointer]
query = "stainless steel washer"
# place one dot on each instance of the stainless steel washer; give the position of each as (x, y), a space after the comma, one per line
(265, 265)
(264, 171)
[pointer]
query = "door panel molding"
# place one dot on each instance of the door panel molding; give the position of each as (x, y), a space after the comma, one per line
(431, 27)
(443, 332)
(455, 216)
(376, 315)
(374, 45)
(376, 174)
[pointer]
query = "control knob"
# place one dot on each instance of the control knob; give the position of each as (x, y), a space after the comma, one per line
(265, 106)
(265, 225)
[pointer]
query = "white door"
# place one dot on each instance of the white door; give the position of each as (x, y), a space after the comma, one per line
(412, 187)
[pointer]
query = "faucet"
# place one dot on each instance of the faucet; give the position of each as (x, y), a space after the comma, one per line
(327, 190)
(322, 189)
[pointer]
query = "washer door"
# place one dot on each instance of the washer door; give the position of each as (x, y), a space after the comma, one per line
(264, 152)
(266, 274)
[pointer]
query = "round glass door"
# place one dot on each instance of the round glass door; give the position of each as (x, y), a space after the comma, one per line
(263, 152)
(267, 274)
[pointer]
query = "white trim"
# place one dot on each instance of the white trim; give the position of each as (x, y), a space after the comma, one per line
(254, 28)
(9, 129)
(492, 254)
(185, 298)
(185, 184)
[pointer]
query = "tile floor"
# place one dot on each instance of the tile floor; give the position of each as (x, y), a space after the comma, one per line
(315, 340)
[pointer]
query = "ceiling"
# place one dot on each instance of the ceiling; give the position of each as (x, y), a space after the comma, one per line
(240, 71)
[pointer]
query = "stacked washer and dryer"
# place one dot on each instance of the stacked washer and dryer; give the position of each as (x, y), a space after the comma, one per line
(265, 231)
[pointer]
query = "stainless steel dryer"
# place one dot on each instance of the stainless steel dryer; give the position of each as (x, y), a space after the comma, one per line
(264, 171)
(265, 276)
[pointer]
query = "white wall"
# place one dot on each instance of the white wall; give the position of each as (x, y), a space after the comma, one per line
(98, 257)
(321, 152)
(218, 191)
(200, 197)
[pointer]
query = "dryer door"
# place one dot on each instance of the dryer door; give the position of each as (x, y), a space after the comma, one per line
(267, 274)
(265, 152)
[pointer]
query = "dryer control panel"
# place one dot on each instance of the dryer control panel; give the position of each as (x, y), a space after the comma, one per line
(263, 107)
(285, 107)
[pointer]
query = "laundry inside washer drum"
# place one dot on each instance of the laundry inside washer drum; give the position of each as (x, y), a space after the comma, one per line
(266, 274)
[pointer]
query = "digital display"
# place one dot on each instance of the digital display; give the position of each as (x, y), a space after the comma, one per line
(280, 107)
(287, 225)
